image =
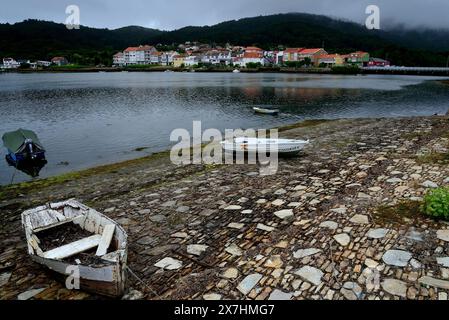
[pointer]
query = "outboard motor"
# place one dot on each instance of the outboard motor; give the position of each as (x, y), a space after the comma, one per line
(29, 148)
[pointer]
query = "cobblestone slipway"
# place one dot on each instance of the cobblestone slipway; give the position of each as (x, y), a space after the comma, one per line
(318, 229)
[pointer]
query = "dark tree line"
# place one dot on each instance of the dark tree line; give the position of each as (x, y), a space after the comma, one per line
(34, 39)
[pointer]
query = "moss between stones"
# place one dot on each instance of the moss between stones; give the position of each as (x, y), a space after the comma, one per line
(433, 157)
(414, 135)
(302, 124)
(399, 213)
(24, 187)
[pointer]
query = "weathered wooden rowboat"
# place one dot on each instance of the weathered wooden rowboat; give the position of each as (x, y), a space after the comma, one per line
(69, 234)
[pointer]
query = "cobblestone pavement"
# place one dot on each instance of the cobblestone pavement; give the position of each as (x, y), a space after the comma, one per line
(340, 221)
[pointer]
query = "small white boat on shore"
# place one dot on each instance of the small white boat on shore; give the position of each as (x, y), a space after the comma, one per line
(256, 145)
(266, 111)
(68, 236)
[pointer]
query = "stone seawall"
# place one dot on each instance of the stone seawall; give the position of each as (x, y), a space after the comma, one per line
(341, 221)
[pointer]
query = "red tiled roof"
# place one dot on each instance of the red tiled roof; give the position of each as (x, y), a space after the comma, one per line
(130, 49)
(140, 48)
(253, 49)
(311, 51)
(293, 50)
(252, 55)
(58, 58)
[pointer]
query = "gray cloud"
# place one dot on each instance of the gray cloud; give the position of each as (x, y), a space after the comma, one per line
(172, 14)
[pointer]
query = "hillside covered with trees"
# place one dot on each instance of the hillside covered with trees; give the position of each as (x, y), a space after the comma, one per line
(32, 39)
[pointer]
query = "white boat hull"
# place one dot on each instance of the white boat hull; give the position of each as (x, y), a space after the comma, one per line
(254, 145)
(266, 111)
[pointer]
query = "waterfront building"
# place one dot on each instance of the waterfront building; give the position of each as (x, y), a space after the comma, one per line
(216, 57)
(10, 63)
(376, 62)
(59, 61)
(291, 54)
(190, 61)
(312, 54)
(358, 58)
(330, 60)
(178, 60)
(140, 55)
(118, 59)
(42, 63)
(167, 58)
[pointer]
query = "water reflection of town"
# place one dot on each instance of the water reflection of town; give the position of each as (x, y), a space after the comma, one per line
(305, 102)
(300, 94)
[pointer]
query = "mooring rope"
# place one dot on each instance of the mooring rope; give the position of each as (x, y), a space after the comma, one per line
(13, 175)
(142, 282)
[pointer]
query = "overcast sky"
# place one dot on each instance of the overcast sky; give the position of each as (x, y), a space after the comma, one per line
(172, 14)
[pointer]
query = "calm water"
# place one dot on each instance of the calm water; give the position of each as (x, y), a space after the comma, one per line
(97, 118)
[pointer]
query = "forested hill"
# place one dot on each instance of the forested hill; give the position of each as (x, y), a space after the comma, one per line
(40, 39)
(33, 39)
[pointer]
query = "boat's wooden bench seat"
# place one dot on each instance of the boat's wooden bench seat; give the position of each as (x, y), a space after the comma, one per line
(73, 248)
(101, 241)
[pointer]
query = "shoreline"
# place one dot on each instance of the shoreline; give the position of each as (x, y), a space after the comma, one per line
(314, 230)
(73, 175)
(259, 70)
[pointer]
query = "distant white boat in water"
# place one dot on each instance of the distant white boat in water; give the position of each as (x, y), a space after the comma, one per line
(266, 111)
(236, 71)
(254, 145)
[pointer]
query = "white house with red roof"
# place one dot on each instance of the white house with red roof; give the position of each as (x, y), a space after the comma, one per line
(250, 55)
(140, 55)
(253, 50)
(59, 61)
